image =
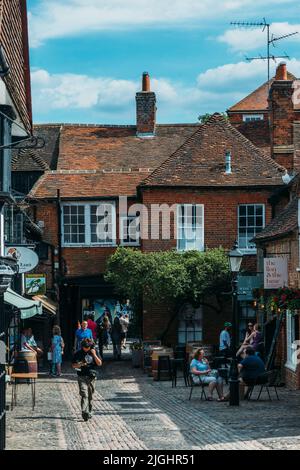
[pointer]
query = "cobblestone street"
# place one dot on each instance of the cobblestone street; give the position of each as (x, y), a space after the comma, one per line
(131, 411)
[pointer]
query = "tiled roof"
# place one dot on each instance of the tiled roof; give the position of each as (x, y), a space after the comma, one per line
(39, 159)
(200, 161)
(28, 160)
(14, 38)
(258, 99)
(90, 183)
(282, 225)
(115, 147)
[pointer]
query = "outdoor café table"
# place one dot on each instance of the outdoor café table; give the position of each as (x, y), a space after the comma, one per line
(15, 377)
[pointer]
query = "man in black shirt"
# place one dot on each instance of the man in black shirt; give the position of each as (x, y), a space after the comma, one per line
(85, 362)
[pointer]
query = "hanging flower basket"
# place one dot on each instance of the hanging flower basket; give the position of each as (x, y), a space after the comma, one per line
(285, 299)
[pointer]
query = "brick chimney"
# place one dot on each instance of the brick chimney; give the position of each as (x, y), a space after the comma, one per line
(282, 118)
(145, 109)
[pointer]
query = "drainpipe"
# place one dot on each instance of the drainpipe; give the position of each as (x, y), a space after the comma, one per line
(59, 234)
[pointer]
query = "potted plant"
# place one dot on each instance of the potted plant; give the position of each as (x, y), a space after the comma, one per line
(137, 353)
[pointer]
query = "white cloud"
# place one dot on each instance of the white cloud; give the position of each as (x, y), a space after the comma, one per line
(249, 39)
(240, 74)
(56, 19)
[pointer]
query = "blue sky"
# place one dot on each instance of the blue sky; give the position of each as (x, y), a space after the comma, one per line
(87, 56)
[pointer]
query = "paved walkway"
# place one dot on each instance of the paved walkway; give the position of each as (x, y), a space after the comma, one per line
(134, 412)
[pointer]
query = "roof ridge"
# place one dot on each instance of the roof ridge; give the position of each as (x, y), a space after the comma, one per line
(218, 119)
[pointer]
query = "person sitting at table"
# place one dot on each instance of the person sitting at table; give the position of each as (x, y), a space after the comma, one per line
(247, 341)
(251, 370)
(202, 373)
(32, 343)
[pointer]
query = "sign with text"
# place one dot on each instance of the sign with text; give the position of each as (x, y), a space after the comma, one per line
(275, 273)
(27, 259)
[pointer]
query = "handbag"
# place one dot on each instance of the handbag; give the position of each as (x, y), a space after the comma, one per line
(49, 356)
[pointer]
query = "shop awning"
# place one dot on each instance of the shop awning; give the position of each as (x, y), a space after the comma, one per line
(29, 308)
(47, 303)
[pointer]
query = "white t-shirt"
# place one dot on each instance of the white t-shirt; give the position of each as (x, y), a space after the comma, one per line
(124, 324)
(224, 336)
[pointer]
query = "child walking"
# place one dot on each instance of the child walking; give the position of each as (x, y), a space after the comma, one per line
(57, 349)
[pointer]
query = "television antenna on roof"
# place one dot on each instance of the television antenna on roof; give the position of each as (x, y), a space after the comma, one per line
(271, 39)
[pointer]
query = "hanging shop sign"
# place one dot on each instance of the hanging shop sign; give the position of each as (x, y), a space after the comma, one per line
(275, 272)
(35, 284)
(26, 259)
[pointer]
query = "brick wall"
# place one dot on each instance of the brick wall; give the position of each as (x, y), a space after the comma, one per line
(287, 246)
(257, 132)
(146, 112)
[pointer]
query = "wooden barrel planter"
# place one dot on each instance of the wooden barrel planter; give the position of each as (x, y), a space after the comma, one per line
(147, 359)
(164, 373)
(25, 363)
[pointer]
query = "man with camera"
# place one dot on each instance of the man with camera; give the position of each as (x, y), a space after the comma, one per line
(85, 361)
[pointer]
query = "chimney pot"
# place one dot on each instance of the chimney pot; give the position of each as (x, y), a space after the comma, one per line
(146, 82)
(281, 72)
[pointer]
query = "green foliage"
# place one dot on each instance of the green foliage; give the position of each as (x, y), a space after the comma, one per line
(203, 118)
(168, 274)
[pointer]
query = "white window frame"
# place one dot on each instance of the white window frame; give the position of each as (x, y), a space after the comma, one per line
(249, 250)
(253, 117)
(87, 223)
(123, 219)
(290, 338)
(179, 227)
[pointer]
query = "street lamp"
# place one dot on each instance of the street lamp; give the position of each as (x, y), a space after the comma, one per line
(235, 260)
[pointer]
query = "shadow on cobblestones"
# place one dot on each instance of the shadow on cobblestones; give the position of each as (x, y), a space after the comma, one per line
(132, 411)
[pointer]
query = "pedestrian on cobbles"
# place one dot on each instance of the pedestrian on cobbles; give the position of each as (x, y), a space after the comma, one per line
(225, 340)
(124, 320)
(57, 350)
(116, 337)
(85, 361)
(82, 333)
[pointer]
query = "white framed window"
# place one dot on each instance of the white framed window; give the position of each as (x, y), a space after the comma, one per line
(190, 324)
(89, 224)
(251, 221)
(190, 227)
(130, 230)
(253, 117)
(292, 335)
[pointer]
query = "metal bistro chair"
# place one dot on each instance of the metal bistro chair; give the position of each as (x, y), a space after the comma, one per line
(267, 380)
(164, 365)
(193, 385)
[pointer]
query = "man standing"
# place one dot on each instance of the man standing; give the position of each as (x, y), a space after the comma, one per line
(85, 362)
(82, 333)
(225, 339)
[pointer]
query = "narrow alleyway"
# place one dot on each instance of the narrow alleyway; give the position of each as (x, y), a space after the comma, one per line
(131, 411)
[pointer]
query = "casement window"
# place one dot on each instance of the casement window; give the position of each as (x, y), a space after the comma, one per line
(190, 324)
(190, 227)
(89, 224)
(251, 221)
(13, 226)
(292, 337)
(253, 117)
(130, 230)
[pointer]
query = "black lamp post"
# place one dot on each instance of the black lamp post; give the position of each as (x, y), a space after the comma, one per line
(235, 260)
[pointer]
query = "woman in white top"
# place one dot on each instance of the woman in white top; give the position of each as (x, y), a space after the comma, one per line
(124, 320)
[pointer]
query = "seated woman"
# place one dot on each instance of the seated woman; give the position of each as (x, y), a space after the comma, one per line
(202, 373)
(247, 341)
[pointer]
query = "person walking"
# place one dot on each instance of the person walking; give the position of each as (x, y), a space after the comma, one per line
(57, 350)
(225, 340)
(82, 333)
(124, 320)
(116, 337)
(92, 325)
(85, 361)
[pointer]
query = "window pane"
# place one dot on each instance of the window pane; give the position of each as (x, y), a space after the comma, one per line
(242, 210)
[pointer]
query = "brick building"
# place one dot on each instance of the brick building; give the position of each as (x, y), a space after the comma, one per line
(212, 168)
